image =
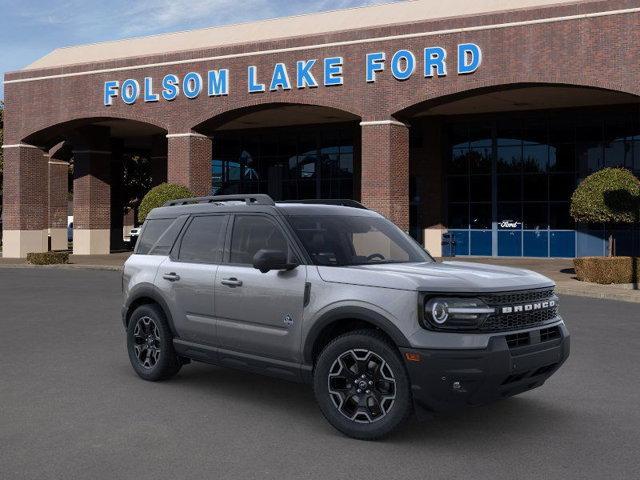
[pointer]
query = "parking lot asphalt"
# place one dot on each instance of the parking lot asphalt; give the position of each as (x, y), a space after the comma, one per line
(71, 407)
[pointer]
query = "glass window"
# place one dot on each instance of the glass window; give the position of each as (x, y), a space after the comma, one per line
(510, 216)
(535, 158)
(618, 154)
(459, 161)
(480, 159)
(509, 187)
(151, 232)
(167, 239)
(204, 240)
(252, 233)
(481, 188)
(458, 216)
(559, 217)
(535, 216)
(458, 189)
(509, 159)
(480, 216)
(345, 240)
(562, 158)
(534, 188)
(561, 187)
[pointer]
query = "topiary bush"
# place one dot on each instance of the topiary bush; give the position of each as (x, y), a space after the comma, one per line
(607, 270)
(158, 196)
(48, 258)
(611, 195)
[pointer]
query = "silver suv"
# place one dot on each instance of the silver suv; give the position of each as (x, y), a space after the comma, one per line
(335, 295)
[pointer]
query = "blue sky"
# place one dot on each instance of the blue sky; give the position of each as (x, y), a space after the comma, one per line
(30, 29)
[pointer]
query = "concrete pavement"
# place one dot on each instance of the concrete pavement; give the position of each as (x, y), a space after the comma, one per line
(71, 406)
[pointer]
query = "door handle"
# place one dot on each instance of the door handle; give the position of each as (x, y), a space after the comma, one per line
(172, 277)
(231, 282)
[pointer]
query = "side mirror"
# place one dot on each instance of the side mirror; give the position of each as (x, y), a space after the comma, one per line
(265, 260)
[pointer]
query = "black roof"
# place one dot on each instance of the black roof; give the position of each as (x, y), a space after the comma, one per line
(259, 203)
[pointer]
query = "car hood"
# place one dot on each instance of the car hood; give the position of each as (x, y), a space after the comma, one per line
(437, 277)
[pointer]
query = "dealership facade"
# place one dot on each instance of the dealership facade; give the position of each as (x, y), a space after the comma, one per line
(473, 118)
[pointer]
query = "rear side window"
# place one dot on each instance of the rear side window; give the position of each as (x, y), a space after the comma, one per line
(151, 233)
(203, 241)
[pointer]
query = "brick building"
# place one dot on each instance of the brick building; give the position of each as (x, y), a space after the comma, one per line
(474, 117)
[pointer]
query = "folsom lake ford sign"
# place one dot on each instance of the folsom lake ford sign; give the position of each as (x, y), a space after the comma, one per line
(308, 73)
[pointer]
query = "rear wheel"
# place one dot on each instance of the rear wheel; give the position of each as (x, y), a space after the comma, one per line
(150, 344)
(362, 386)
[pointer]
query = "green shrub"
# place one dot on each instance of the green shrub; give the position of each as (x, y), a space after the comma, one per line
(607, 270)
(48, 258)
(611, 195)
(158, 196)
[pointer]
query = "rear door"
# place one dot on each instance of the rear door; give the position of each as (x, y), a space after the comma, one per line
(187, 277)
(259, 313)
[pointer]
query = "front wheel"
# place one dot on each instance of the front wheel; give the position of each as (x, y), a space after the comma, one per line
(362, 386)
(150, 344)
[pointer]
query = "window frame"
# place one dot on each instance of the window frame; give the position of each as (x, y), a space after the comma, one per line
(177, 246)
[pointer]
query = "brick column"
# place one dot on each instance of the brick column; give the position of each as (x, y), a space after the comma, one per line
(385, 169)
(158, 160)
(91, 202)
(25, 199)
(58, 191)
(189, 161)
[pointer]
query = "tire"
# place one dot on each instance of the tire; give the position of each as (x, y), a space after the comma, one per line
(150, 344)
(369, 407)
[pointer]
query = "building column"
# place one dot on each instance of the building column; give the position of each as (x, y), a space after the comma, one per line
(25, 201)
(58, 191)
(158, 160)
(189, 161)
(385, 169)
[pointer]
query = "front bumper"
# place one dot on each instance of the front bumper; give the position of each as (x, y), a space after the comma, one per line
(448, 379)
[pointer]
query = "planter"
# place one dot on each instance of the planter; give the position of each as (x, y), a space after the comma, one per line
(48, 258)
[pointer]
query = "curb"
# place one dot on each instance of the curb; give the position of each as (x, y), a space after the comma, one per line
(68, 266)
(618, 296)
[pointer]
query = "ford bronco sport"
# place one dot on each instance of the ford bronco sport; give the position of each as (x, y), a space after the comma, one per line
(335, 295)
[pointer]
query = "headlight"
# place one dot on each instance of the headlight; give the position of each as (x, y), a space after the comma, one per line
(456, 313)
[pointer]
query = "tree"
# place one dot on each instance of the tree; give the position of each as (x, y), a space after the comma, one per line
(161, 194)
(611, 195)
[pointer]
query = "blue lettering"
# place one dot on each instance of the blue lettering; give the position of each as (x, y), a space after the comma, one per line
(254, 87)
(218, 82)
(149, 96)
(110, 92)
(333, 71)
(192, 85)
(304, 77)
(434, 58)
(375, 63)
(469, 58)
(170, 87)
(403, 64)
(130, 91)
(280, 78)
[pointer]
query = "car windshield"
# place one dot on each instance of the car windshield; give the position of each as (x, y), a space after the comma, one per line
(340, 240)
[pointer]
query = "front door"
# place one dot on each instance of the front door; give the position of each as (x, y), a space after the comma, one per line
(259, 313)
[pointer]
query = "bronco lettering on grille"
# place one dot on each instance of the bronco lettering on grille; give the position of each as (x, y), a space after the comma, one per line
(529, 307)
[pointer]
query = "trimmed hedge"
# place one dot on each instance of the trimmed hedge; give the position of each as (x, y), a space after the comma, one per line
(158, 196)
(607, 270)
(48, 258)
(611, 195)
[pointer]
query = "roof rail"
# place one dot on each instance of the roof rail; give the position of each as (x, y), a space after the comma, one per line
(257, 199)
(345, 202)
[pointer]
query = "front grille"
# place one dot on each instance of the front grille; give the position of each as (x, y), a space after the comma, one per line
(518, 339)
(515, 298)
(512, 321)
(550, 333)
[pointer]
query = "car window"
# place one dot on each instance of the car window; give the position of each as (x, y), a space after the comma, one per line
(355, 240)
(151, 232)
(164, 244)
(203, 240)
(252, 233)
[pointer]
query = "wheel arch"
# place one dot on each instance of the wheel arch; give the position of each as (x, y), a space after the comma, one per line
(143, 295)
(342, 320)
